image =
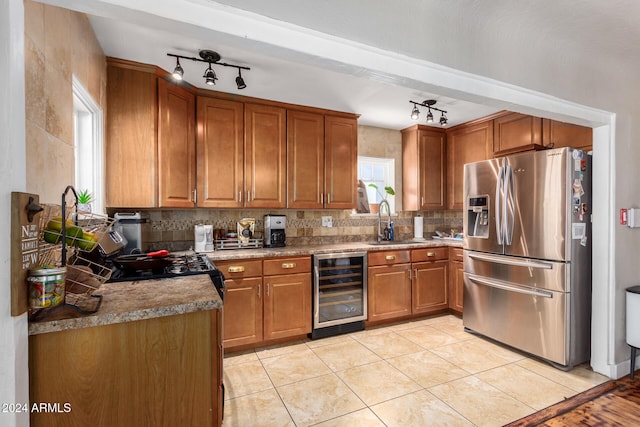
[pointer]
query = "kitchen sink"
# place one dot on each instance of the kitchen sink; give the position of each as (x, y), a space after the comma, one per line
(392, 242)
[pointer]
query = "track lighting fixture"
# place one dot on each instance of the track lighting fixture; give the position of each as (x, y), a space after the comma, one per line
(429, 104)
(212, 58)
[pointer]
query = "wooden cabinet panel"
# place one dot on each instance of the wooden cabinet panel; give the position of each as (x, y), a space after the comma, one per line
(466, 144)
(287, 305)
(243, 311)
(558, 134)
(456, 286)
(429, 254)
(305, 158)
(220, 152)
(130, 149)
(423, 168)
(389, 292)
(388, 257)
(429, 286)
(341, 159)
(273, 267)
(516, 132)
(160, 372)
(240, 268)
(265, 153)
(176, 146)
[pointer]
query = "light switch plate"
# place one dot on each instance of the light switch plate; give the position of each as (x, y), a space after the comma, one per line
(327, 221)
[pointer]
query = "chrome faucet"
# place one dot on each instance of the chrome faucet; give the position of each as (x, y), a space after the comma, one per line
(384, 234)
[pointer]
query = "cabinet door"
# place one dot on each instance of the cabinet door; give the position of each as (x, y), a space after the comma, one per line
(456, 285)
(242, 311)
(341, 162)
(265, 145)
(388, 292)
(130, 149)
(466, 144)
(220, 153)
(516, 132)
(287, 305)
(429, 287)
(305, 160)
(566, 135)
(423, 168)
(176, 146)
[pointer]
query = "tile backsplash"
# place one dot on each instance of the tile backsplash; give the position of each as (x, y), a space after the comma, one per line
(173, 229)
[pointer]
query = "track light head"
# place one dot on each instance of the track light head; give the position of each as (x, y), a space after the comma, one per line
(210, 76)
(429, 116)
(178, 72)
(443, 120)
(240, 81)
(415, 113)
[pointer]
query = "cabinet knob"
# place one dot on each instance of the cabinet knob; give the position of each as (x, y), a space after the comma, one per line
(236, 269)
(288, 265)
(390, 257)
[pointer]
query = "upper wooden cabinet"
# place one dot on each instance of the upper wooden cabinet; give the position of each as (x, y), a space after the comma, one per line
(466, 144)
(516, 132)
(131, 145)
(559, 134)
(423, 168)
(322, 161)
(176, 146)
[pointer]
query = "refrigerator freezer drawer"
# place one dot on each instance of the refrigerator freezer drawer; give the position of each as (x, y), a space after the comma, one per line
(529, 319)
(540, 274)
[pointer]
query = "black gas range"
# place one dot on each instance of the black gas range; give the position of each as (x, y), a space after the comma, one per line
(177, 266)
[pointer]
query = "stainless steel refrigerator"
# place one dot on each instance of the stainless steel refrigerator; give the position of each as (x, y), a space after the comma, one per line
(527, 253)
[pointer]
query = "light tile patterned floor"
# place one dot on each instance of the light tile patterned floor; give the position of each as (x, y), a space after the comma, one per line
(427, 372)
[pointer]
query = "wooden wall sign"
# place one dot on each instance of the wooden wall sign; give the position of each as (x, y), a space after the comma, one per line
(24, 247)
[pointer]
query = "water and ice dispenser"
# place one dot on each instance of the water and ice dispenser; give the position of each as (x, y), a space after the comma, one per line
(478, 217)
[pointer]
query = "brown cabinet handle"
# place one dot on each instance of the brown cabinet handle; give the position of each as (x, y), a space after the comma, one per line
(259, 290)
(236, 269)
(288, 265)
(390, 257)
(431, 254)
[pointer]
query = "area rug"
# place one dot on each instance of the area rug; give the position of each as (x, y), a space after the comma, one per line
(612, 403)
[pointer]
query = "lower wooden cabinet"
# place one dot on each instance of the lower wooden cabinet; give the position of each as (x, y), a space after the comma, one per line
(429, 286)
(456, 280)
(266, 299)
(389, 292)
(164, 371)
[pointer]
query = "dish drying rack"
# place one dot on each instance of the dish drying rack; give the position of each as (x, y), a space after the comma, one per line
(225, 244)
(83, 276)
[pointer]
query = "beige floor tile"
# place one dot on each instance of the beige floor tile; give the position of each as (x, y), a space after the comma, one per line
(471, 357)
(345, 355)
(263, 409)
(498, 349)
(239, 358)
(361, 418)
(526, 386)
(445, 318)
(328, 341)
(580, 378)
(427, 369)
(377, 382)
(245, 378)
(455, 329)
(319, 399)
(280, 349)
(418, 409)
(428, 337)
(389, 345)
(296, 366)
(481, 403)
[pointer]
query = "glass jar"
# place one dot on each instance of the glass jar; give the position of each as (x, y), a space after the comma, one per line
(46, 286)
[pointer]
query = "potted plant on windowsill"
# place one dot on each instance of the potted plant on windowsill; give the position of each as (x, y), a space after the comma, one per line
(373, 207)
(84, 201)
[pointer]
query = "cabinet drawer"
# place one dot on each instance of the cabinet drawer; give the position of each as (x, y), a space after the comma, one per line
(240, 268)
(273, 267)
(455, 254)
(429, 254)
(388, 257)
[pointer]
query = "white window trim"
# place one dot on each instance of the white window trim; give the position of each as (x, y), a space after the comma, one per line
(390, 164)
(87, 102)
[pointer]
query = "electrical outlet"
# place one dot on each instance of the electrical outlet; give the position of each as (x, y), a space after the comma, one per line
(327, 221)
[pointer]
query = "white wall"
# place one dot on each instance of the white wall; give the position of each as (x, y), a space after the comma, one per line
(13, 331)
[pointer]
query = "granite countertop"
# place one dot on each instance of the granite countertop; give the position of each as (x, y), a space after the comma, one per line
(231, 254)
(136, 300)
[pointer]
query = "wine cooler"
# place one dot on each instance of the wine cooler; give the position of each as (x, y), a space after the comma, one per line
(339, 293)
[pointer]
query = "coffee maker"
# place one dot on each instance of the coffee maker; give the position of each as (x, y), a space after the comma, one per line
(274, 231)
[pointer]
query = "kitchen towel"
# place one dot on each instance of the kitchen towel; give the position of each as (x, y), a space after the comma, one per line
(418, 228)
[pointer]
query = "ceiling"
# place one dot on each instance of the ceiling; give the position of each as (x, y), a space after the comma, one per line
(146, 30)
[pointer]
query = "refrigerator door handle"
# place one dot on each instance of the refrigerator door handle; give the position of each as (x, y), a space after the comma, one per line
(511, 287)
(515, 262)
(498, 209)
(508, 206)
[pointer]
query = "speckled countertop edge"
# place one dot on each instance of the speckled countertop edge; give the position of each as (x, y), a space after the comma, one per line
(138, 300)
